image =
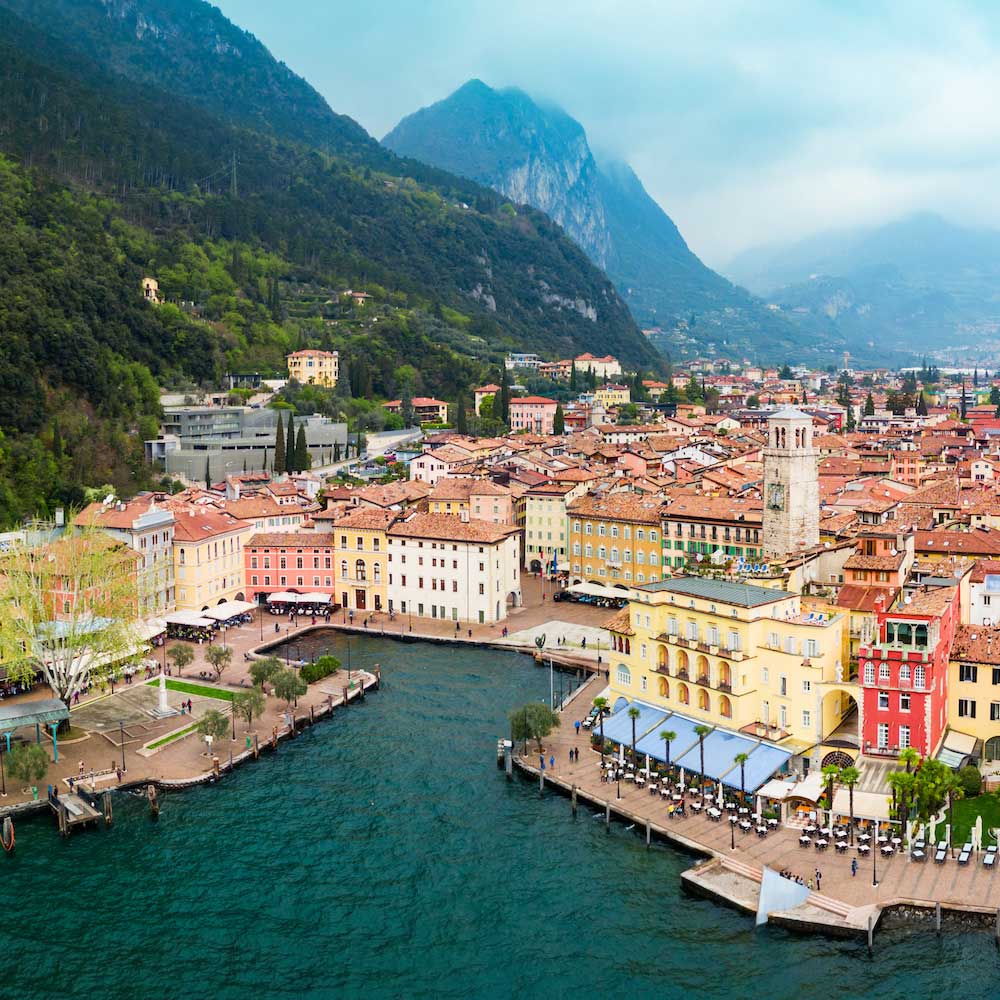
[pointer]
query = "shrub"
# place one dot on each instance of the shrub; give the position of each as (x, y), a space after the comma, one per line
(318, 669)
(971, 780)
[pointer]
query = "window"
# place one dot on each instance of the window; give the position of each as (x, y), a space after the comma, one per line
(589, 529)
(733, 642)
(883, 700)
(883, 735)
(642, 682)
(904, 672)
(812, 648)
(765, 675)
(883, 671)
(623, 675)
(807, 686)
(994, 711)
(642, 650)
(968, 672)
(904, 703)
(869, 674)
(783, 686)
(652, 534)
(919, 678)
(806, 718)
(966, 708)
(904, 737)
(782, 716)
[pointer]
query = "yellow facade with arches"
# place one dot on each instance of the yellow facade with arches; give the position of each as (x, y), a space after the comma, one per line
(729, 654)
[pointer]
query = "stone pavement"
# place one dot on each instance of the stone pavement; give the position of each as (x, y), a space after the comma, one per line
(899, 879)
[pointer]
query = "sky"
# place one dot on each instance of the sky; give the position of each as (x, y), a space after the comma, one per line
(750, 123)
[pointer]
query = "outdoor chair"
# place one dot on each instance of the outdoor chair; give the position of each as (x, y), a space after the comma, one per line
(939, 855)
(990, 857)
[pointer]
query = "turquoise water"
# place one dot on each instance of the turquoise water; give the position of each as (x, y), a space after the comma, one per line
(382, 854)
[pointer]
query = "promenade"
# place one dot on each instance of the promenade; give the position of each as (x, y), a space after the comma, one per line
(844, 901)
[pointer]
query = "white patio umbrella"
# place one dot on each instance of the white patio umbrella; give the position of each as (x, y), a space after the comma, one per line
(720, 798)
(682, 779)
(977, 834)
(932, 838)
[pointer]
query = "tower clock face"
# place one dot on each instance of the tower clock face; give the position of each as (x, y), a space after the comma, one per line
(776, 496)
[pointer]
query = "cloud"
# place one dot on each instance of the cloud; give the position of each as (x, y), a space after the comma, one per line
(748, 122)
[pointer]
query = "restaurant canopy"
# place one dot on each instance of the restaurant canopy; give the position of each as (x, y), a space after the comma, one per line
(282, 597)
(867, 805)
(596, 590)
(314, 598)
(229, 609)
(192, 618)
(618, 728)
(42, 711)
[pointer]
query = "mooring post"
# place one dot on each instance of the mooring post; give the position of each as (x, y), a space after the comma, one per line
(541, 782)
(607, 815)
(572, 799)
(312, 717)
(996, 930)
(345, 696)
(256, 747)
(649, 832)
(871, 932)
(508, 760)
(107, 806)
(937, 918)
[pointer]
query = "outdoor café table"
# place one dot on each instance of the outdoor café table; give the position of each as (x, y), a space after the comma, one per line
(744, 811)
(733, 820)
(640, 781)
(887, 850)
(714, 813)
(761, 831)
(630, 766)
(917, 855)
(883, 839)
(629, 776)
(664, 792)
(840, 846)
(821, 844)
(677, 797)
(863, 848)
(804, 840)
(896, 841)
(810, 829)
(864, 837)
(696, 807)
(745, 825)
(772, 823)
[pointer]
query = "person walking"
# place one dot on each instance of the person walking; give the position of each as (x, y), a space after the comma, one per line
(552, 762)
(577, 724)
(854, 867)
(819, 875)
(541, 761)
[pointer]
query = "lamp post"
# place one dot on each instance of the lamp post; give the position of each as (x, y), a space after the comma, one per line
(232, 701)
(618, 778)
(348, 662)
(732, 835)
(875, 862)
(121, 740)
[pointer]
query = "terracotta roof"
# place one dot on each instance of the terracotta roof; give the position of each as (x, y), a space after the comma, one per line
(976, 542)
(620, 623)
(617, 507)
(451, 528)
(291, 540)
(371, 518)
(856, 598)
(983, 568)
(195, 524)
(976, 644)
(112, 517)
(533, 400)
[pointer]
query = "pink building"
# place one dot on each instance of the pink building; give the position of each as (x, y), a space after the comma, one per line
(279, 561)
(532, 413)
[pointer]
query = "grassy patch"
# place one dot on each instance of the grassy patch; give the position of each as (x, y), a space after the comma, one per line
(170, 737)
(966, 811)
(183, 687)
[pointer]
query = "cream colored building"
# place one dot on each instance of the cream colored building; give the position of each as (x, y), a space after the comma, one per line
(208, 557)
(613, 395)
(733, 655)
(314, 367)
(546, 524)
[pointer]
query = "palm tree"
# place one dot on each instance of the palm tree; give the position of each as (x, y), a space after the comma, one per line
(701, 732)
(850, 776)
(955, 792)
(904, 785)
(910, 758)
(601, 704)
(633, 714)
(831, 772)
(668, 736)
(741, 759)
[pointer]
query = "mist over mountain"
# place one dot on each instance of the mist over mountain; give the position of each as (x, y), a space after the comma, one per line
(534, 153)
(919, 282)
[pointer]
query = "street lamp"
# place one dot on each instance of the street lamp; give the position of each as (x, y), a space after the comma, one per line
(618, 778)
(732, 835)
(232, 698)
(121, 740)
(874, 863)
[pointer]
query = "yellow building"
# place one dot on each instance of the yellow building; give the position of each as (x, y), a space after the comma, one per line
(974, 686)
(361, 558)
(546, 525)
(208, 557)
(615, 539)
(613, 395)
(314, 367)
(733, 655)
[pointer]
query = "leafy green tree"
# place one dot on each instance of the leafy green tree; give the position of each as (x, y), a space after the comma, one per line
(559, 420)
(869, 409)
(533, 721)
(850, 776)
(219, 657)
(249, 704)
(214, 723)
(693, 390)
(628, 413)
(288, 686)
(180, 655)
(786, 373)
(264, 670)
(279, 447)
(27, 762)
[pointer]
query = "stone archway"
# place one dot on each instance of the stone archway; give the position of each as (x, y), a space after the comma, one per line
(839, 716)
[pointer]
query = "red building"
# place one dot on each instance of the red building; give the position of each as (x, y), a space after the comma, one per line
(904, 676)
(298, 563)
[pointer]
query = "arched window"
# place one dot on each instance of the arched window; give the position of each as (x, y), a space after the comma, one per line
(683, 696)
(378, 572)
(703, 702)
(883, 671)
(725, 707)
(869, 673)
(904, 671)
(662, 658)
(725, 675)
(623, 675)
(628, 647)
(920, 677)
(682, 660)
(359, 570)
(664, 688)
(993, 748)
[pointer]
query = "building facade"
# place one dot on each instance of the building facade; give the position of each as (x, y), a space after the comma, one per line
(546, 525)
(615, 539)
(444, 567)
(362, 558)
(301, 563)
(208, 557)
(534, 414)
(791, 485)
(314, 367)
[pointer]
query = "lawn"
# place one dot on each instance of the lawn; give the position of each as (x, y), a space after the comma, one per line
(183, 687)
(171, 737)
(966, 811)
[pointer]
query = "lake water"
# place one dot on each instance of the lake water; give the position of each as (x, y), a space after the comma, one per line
(382, 854)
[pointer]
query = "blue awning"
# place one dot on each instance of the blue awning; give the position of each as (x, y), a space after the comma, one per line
(764, 761)
(682, 726)
(618, 728)
(721, 748)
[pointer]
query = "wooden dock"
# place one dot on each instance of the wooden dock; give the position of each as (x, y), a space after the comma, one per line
(72, 810)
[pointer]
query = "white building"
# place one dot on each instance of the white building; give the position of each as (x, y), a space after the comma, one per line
(984, 594)
(445, 566)
(791, 485)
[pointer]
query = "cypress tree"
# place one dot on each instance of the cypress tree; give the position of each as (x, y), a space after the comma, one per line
(208, 473)
(336, 452)
(870, 405)
(504, 413)
(279, 447)
(57, 442)
(303, 460)
(290, 444)
(922, 405)
(461, 420)
(559, 420)
(572, 377)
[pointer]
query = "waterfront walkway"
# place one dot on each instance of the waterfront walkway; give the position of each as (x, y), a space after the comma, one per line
(845, 899)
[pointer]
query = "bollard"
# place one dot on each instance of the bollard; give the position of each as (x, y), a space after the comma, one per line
(256, 747)
(607, 815)
(871, 931)
(345, 696)
(508, 762)
(996, 932)
(541, 783)
(572, 799)
(312, 717)
(649, 832)
(937, 918)
(107, 807)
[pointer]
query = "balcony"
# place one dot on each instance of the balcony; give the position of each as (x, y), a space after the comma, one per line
(682, 675)
(704, 680)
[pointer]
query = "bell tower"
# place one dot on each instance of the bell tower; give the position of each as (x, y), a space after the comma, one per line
(791, 485)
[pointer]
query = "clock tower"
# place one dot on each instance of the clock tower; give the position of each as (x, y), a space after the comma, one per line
(791, 485)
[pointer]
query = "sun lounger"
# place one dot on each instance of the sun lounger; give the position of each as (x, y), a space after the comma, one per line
(990, 858)
(940, 854)
(963, 857)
